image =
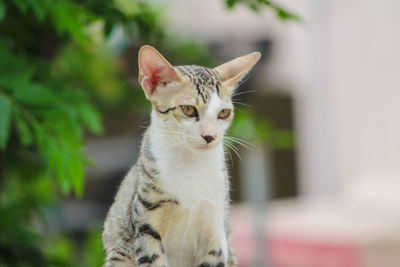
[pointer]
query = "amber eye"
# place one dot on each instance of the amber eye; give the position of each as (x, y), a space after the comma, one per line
(189, 111)
(224, 113)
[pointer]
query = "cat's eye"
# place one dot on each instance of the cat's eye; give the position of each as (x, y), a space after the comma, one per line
(189, 111)
(224, 113)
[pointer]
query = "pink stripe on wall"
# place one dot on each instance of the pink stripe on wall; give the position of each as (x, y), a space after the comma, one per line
(288, 252)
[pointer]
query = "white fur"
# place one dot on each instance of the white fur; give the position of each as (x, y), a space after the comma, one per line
(189, 173)
(195, 177)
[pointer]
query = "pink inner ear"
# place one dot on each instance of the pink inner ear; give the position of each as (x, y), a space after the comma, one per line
(148, 85)
(155, 76)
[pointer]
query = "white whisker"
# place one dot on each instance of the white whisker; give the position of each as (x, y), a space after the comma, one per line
(228, 153)
(241, 142)
(240, 103)
(234, 149)
(244, 92)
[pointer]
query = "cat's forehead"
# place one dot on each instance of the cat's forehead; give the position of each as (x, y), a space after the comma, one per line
(203, 80)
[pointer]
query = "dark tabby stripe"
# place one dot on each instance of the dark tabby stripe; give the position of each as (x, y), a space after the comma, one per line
(123, 254)
(146, 229)
(166, 111)
(215, 253)
(147, 259)
(204, 79)
(126, 239)
(133, 225)
(152, 206)
(154, 188)
(200, 92)
(217, 85)
(184, 71)
(208, 71)
(146, 204)
(116, 259)
(150, 175)
(205, 264)
(138, 250)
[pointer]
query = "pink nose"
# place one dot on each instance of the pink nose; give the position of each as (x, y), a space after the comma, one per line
(209, 138)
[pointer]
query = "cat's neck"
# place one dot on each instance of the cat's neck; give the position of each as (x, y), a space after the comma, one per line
(191, 176)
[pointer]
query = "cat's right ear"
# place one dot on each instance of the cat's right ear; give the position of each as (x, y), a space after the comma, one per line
(155, 72)
(234, 71)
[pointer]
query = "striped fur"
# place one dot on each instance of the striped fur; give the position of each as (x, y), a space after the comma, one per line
(205, 80)
(172, 208)
(141, 215)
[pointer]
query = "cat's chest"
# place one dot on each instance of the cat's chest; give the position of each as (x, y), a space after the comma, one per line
(194, 183)
(188, 237)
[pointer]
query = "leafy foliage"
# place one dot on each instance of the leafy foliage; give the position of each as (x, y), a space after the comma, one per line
(93, 248)
(5, 110)
(54, 69)
(256, 5)
(49, 114)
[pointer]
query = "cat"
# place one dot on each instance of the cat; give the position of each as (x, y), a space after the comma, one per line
(172, 208)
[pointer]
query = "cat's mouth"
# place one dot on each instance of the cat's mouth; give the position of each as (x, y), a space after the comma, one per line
(203, 147)
(206, 146)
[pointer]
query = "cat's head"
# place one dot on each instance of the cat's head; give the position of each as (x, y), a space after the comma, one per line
(192, 105)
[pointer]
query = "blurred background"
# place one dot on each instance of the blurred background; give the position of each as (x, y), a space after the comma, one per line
(316, 166)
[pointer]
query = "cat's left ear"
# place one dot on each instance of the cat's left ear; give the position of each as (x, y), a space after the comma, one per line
(232, 72)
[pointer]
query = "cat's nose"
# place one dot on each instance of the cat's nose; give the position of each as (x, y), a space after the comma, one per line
(208, 138)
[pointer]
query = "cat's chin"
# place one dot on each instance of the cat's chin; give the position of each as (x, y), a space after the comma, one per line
(204, 147)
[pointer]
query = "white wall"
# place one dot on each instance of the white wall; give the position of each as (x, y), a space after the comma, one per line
(366, 87)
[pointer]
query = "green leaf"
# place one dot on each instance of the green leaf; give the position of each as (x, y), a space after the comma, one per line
(23, 130)
(38, 10)
(5, 121)
(59, 161)
(13, 78)
(15, 70)
(2, 10)
(91, 117)
(127, 7)
(93, 253)
(267, 3)
(63, 121)
(22, 5)
(76, 174)
(54, 156)
(67, 18)
(230, 3)
(35, 94)
(286, 15)
(60, 251)
(255, 6)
